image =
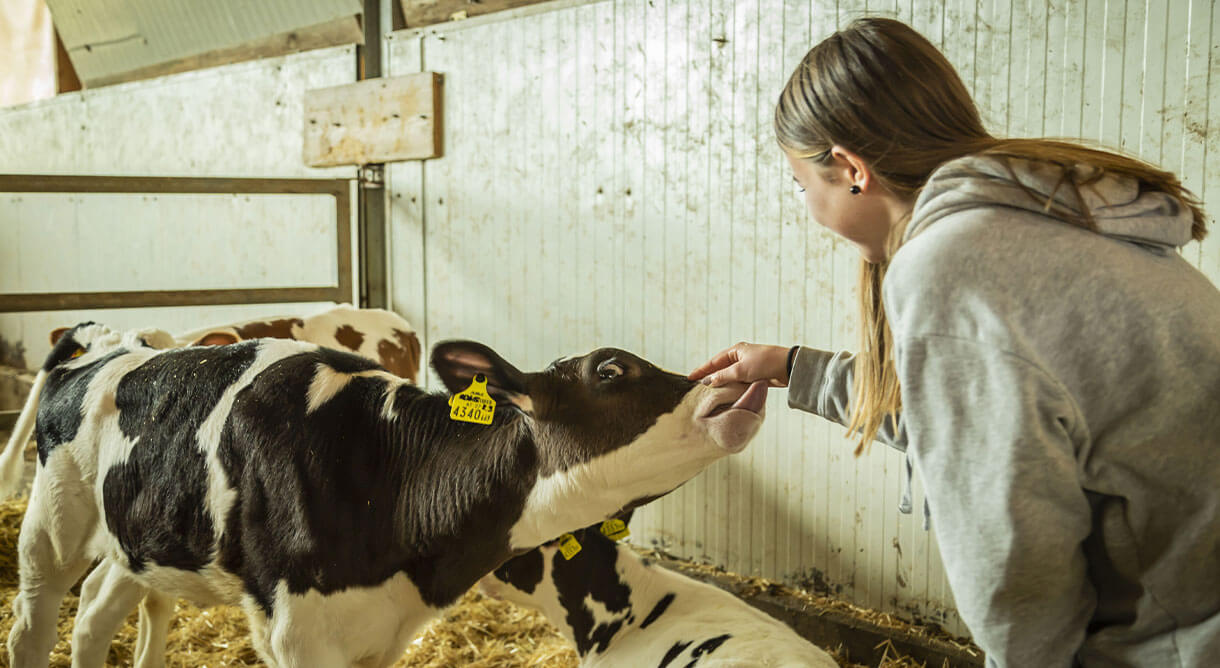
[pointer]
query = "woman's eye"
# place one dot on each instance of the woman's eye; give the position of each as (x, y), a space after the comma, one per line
(609, 370)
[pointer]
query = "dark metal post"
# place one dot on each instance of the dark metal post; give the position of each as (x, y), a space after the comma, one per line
(371, 230)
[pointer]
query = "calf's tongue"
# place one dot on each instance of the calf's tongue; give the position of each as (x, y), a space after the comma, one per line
(754, 398)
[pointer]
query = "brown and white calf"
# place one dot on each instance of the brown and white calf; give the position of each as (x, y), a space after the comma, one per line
(338, 504)
(380, 335)
(622, 611)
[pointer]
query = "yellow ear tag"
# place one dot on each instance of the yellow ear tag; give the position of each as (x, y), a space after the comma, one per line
(615, 529)
(568, 546)
(473, 404)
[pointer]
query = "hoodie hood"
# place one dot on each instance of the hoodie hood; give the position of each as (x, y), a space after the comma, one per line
(1120, 208)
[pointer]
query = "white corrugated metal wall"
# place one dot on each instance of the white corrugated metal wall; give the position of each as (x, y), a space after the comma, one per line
(610, 178)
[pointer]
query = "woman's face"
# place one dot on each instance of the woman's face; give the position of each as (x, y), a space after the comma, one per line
(863, 219)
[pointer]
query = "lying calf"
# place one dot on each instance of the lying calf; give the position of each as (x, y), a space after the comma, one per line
(621, 610)
(341, 506)
(380, 335)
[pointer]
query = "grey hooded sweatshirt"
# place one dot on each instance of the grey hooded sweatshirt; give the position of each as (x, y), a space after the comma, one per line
(1061, 402)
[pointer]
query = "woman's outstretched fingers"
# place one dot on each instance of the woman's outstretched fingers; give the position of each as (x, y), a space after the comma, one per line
(745, 363)
(720, 360)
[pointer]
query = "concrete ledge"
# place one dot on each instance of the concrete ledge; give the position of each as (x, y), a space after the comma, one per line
(863, 641)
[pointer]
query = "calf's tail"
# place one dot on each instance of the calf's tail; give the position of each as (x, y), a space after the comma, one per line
(12, 459)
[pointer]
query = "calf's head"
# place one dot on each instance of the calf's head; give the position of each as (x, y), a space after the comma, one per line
(89, 337)
(611, 430)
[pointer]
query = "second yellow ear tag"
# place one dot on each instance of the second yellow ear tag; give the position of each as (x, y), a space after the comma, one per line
(615, 529)
(568, 546)
(473, 404)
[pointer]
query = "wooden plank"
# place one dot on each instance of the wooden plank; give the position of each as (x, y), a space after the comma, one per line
(66, 80)
(419, 13)
(70, 183)
(63, 301)
(345, 30)
(379, 120)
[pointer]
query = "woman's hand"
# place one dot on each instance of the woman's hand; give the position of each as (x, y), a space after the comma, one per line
(745, 363)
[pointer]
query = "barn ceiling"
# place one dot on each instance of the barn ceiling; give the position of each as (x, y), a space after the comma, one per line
(110, 41)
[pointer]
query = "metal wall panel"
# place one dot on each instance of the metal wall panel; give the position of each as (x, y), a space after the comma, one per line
(611, 178)
(242, 120)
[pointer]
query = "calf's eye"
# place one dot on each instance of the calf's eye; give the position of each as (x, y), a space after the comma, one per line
(609, 370)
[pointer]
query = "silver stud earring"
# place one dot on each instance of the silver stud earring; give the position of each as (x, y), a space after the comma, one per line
(855, 189)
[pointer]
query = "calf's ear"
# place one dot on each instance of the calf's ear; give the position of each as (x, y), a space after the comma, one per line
(458, 362)
(156, 338)
(217, 338)
(57, 334)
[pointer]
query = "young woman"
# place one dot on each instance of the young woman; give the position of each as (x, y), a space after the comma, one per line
(1032, 337)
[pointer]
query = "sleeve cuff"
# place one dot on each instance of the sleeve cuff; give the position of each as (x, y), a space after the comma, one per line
(807, 377)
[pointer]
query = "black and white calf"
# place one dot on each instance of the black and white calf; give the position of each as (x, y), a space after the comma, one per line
(623, 611)
(98, 339)
(336, 502)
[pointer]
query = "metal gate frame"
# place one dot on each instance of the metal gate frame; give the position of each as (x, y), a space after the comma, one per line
(340, 189)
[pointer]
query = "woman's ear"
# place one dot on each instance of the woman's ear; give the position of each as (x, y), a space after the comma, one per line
(855, 171)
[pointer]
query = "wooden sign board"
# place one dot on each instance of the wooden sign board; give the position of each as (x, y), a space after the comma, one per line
(378, 120)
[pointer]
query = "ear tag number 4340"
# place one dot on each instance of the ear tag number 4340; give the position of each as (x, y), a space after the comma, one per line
(568, 546)
(615, 529)
(473, 404)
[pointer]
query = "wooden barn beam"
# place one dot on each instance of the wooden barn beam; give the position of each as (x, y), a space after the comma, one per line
(340, 31)
(417, 13)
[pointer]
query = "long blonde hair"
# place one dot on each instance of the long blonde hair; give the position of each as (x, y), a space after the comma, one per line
(881, 90)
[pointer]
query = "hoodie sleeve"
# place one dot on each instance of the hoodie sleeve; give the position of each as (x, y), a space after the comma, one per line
(991, 435)
(820, 383)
